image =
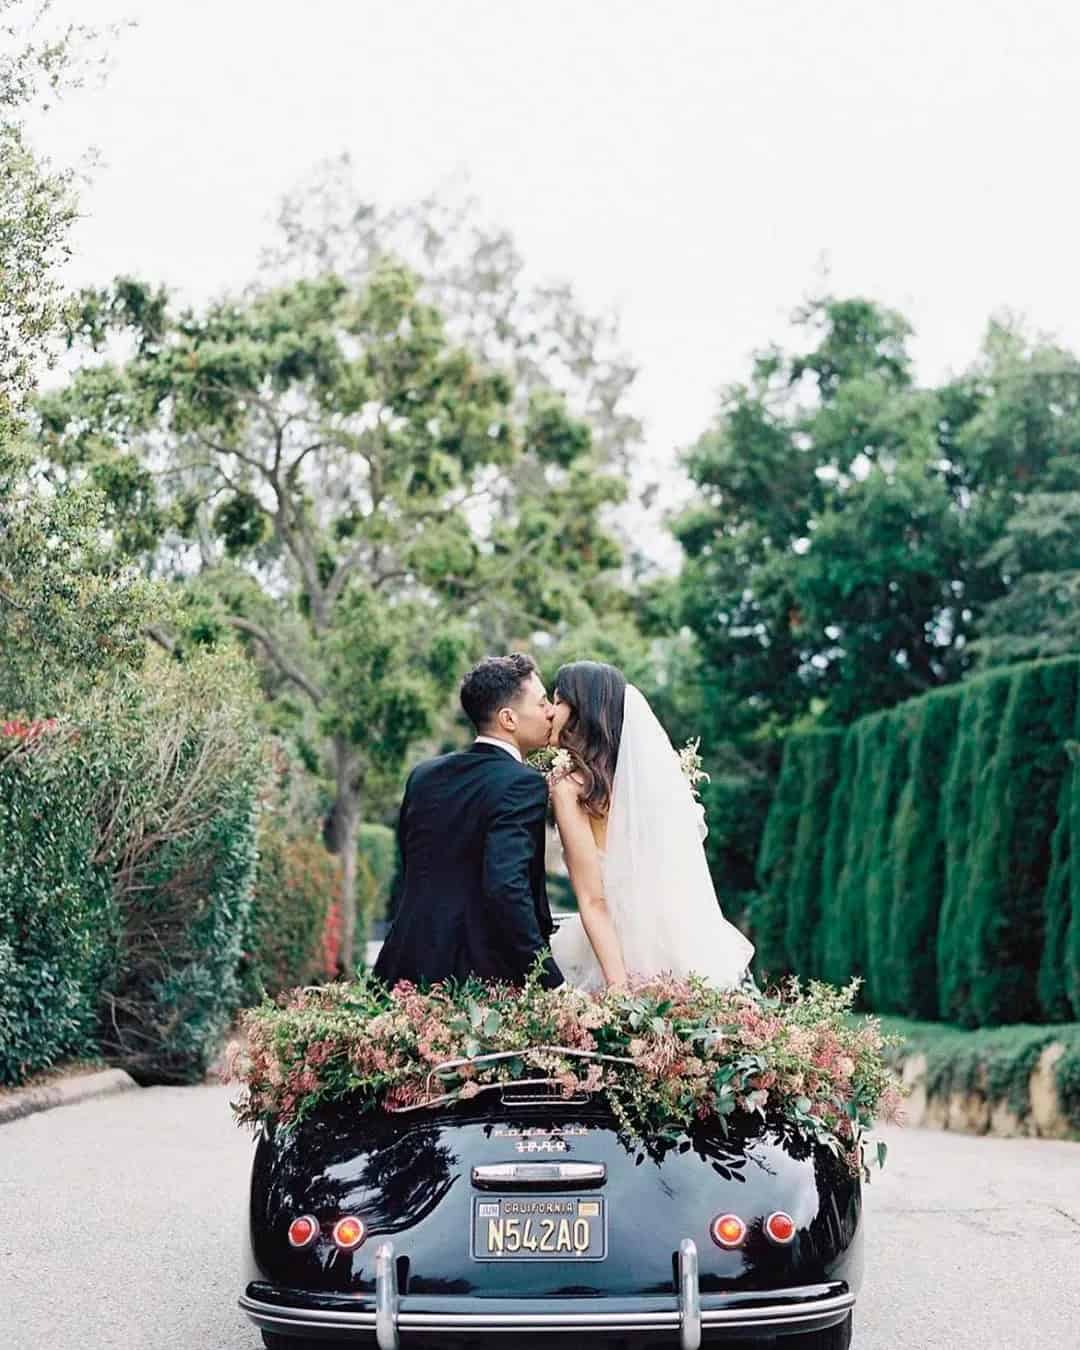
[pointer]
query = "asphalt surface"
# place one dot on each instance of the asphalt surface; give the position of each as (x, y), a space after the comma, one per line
(121, 1227)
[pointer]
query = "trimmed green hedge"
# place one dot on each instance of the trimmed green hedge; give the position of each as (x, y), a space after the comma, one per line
(127, 851)
(378, 845)
(296, 881)
(934, 851)
(376, 871)
(55, 904)
(791, 858)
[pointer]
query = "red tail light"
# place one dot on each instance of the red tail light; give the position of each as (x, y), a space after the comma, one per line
(728, 1230)
(349, 1233)
(303, 1231)
(780, 1227)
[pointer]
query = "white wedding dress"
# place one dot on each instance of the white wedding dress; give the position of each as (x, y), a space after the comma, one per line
(656, 879)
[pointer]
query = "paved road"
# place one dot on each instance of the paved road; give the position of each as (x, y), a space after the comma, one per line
(121, 1228)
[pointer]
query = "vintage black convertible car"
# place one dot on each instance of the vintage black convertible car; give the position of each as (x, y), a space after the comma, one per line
(519, 1214)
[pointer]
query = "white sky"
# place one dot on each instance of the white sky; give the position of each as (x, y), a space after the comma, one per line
(691, 163)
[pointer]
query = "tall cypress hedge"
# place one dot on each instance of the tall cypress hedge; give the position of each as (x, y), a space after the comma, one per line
(934, 850)
(768, 913)
(1017, 822)
(1072, 926)
(918, 872)
(820, 754)
(835, 955)
(845, 946)
(967, 796)
(1053, 968)
(890, 771)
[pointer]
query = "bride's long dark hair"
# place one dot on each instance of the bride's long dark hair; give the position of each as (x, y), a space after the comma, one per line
(595, 693)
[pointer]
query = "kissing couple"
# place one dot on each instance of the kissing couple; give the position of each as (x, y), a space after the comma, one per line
(472, 837)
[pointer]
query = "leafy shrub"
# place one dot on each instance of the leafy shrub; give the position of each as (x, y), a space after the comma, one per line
(560, 892)
(55, 903)
(376, 869)
(176, 818)
(1068, 1080)
(378, 845)
(295, 882)
(332, 935)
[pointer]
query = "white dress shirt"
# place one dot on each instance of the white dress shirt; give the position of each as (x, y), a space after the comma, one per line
(503, 745)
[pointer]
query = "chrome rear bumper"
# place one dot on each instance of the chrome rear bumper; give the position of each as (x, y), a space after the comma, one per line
(391, 1320)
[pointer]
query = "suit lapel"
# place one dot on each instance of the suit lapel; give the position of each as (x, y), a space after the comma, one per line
(543, 908)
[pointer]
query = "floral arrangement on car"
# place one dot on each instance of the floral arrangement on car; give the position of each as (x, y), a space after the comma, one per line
(664, 1053)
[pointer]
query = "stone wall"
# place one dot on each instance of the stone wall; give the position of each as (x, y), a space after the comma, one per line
(977, 1110)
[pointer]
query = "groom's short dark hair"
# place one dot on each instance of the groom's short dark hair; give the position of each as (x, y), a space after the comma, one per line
(492, 684)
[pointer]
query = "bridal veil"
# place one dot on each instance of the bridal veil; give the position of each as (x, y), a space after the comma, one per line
(656, 876)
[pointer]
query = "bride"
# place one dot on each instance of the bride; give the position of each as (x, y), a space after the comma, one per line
(631, 833)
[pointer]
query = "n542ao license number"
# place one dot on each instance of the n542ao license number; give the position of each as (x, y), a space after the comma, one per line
(526, 1229)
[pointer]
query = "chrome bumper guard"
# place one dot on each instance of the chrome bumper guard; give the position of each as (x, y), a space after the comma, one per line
(386, 1298)
(689, 1296)
(688, 1318)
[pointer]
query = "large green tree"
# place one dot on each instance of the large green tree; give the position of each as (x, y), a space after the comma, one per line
(1023, 439)
(473, 271)
(856, 539)
(37, 200)
(332, 477)
(834, 553)
(68, 607)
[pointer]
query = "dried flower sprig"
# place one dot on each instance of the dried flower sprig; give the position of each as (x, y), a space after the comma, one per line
(683, 1052)
(690, 762)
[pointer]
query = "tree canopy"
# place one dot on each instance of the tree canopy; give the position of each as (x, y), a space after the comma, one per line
(328, 474)
(69, 607)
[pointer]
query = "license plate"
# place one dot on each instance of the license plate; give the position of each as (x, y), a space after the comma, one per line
(524, 1228)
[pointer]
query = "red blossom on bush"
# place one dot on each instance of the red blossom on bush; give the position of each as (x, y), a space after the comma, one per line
(331, 939)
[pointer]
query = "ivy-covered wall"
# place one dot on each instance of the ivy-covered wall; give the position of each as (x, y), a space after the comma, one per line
(934, 851)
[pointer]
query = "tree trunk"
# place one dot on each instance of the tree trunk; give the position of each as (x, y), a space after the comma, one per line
(345, 833)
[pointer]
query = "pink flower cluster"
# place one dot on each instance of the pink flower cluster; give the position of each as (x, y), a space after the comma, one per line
(667, 1052)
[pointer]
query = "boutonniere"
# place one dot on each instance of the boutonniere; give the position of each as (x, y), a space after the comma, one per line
(541, 760)
(553, 764)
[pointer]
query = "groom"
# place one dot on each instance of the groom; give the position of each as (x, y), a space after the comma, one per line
(471, 831)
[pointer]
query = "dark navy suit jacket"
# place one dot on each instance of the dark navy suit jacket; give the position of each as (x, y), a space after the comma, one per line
(473, 898)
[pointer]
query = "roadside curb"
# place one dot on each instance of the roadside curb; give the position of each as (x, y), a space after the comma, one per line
(64, 1092)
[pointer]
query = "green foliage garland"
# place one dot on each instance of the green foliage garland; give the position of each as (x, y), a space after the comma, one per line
(664, 1053)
